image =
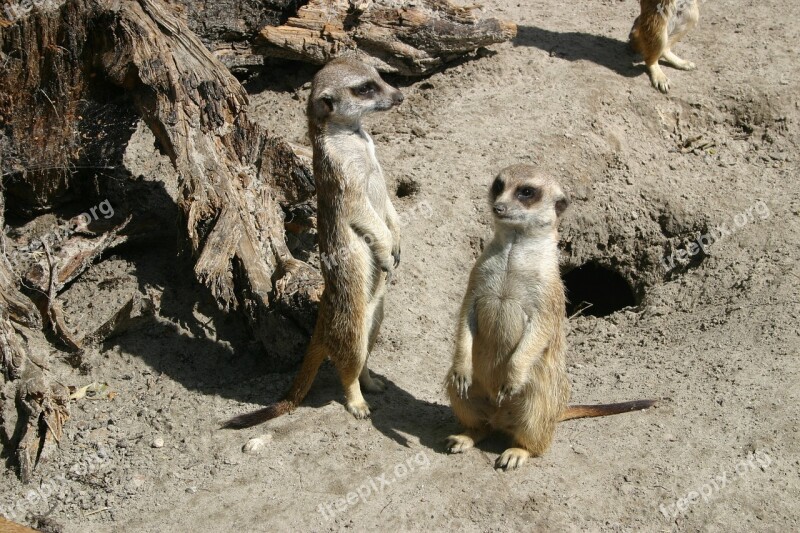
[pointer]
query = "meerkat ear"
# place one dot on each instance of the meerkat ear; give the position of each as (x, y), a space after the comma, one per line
(323, 106)
(561, 205)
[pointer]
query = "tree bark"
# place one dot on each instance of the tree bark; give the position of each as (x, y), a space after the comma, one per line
(233, 175)
(235, 179)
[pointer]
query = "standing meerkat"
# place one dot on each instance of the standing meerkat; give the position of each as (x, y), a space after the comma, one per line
(359, 240)
(509, 370)
(659, 27)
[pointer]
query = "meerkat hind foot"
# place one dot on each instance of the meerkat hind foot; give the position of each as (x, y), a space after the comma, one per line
(359, 409)
(373, 385)
(512, 458)
(659, 79)
(676, 62)
(369, 383)
(459, 443)
(464, 441)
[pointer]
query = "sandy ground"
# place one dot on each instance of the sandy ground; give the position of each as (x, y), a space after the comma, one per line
(715, 335)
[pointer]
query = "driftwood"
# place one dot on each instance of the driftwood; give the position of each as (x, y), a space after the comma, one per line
(408, 38)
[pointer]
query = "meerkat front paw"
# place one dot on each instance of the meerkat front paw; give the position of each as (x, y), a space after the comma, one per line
(460, 381)
(359, 409)
(396, 253)
(459, 443)
(506, 391)
(387, 267)
(512, 458)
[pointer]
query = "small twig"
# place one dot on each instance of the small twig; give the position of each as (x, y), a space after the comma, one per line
(581, 310)
(97, 511)
(53, 433)
(51, 284)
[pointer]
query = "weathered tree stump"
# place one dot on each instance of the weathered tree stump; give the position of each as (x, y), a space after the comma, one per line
(235, 179)
(398, 37)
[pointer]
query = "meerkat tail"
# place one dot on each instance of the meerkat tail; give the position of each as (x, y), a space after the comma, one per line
(255, 418)
(587, 411)
(12, 527)
(298, 391)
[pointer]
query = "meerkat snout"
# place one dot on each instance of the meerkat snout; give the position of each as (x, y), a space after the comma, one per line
(522, 198)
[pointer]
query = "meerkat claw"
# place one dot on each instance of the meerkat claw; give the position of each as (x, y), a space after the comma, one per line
(461, 383)
(512, 458)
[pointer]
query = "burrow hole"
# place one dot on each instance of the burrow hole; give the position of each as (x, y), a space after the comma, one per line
(595, 290)
(407, 187)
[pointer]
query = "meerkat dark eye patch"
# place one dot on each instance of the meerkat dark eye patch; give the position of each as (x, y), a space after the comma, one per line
(528, 195)
(497, 188)
(561, 205)
(366, 89)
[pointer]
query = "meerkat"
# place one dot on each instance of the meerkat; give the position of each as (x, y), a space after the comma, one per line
(509, 370)
(359, 239)
(659, 27)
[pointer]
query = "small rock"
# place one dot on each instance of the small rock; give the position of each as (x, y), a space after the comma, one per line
(419, 131)
(158, 442)
(256, 445)
(137, 481)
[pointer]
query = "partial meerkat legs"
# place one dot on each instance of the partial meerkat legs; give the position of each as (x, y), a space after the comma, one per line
(369, 383)
(659, 27)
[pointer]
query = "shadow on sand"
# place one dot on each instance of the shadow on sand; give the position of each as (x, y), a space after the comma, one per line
(608, 52)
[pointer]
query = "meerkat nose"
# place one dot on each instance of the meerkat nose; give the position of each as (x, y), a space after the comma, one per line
(500, 208)
(398, 97)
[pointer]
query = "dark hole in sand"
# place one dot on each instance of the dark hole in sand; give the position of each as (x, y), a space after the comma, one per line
(407, 187)
(595, 290)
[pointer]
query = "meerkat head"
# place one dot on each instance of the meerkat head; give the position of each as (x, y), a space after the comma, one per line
(346, 89)
(524, 198)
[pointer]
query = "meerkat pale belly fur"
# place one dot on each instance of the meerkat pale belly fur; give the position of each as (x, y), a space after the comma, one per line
(660, 26)
(359, 240)
(509, 370)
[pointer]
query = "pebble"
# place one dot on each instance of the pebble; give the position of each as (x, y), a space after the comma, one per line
(158, 442)
(256, 445)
